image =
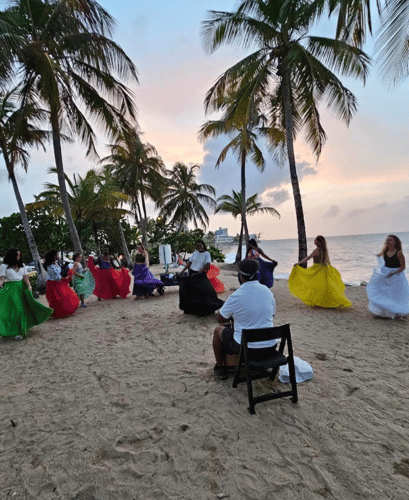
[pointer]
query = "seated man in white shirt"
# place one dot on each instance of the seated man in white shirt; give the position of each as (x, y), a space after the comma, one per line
(251, 306)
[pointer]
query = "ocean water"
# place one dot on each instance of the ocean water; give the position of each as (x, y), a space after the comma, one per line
(353, 256)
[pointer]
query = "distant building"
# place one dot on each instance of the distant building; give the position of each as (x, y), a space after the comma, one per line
(222, 236)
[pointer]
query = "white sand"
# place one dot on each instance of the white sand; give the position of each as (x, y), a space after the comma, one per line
(119, 401)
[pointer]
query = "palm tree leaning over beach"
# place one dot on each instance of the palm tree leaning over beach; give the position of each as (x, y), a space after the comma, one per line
(289, 74)
(61, 54)
(243, 144)
(18, 131)
(233, 205)
(182, 201)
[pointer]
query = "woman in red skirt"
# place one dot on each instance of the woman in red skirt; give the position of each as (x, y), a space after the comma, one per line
(60, 296)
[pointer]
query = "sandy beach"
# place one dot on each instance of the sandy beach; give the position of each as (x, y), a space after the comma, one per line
(119, 401)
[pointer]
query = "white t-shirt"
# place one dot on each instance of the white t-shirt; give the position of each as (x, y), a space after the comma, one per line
(199, 259)
(252, 306)
(11, 274)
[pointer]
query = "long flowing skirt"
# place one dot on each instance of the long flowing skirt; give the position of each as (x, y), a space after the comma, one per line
(84, 286)
(197, 295)
(265, 273)
(109, 283)
(144, 281)
(212, 274)
(318, 285)
(388, 297)
(19, 310)
(61, 298)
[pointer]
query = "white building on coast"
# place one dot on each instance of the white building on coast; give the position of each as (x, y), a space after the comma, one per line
(222, 236)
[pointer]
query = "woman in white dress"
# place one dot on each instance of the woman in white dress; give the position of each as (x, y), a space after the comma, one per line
(388, 288)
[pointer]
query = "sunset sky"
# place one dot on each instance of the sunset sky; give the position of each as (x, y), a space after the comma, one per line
(359, 185)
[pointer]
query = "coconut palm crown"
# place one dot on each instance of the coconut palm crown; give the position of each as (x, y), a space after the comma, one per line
(182, 202)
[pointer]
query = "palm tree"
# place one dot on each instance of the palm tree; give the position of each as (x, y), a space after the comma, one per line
(233, 205)
(139, 171)
(243, 144)
(61, 54)
(289, 74)
(183, 199)
(92, 198)
(391, 47)
(18, 131)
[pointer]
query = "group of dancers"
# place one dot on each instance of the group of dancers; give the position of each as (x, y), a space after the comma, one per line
(319, 285)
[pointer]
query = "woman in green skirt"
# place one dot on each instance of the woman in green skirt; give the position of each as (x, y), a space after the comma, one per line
(19, 310)
(82, 280)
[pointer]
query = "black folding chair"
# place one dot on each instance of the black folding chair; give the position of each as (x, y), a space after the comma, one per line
(258, 367)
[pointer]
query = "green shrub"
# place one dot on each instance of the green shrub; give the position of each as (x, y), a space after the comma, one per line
(216, 254)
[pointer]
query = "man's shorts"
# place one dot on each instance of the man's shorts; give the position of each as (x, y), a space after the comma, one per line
(230, 345)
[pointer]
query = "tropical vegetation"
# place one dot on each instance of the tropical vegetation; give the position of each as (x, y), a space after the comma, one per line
(60, 54)
(184, 197)
(62, 78)
(243, 144)
(289, 74)
(18, 132)
(233, 206)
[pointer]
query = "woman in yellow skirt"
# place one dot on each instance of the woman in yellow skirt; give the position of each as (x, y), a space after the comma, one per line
(321, 284)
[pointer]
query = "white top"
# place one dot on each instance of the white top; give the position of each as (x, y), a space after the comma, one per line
(252, 306)
(11, 274)
(199, 259)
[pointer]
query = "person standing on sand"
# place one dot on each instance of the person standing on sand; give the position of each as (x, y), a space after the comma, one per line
(196, 294)
(60, 296)
(321, 284)
(82, 280)
(251, 306)
(388, 289)
(199, 261)
(19, 310)
(109, 282)
(144, 281)
(266, 269)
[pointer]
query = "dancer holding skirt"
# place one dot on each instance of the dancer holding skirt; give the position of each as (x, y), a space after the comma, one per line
(265, 273)
(60, 296)
(144, 281)
(321, 284)
(19, 310)
(388, 289)
(82, 280)
(196, 293)
(109, 282)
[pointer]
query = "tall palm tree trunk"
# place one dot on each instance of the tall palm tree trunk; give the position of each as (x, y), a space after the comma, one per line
(144, 219)
(302, 238)
(240, 247)
(243, 199)
(123, 243)
(94, 228)
(61, 182)
(41, 276)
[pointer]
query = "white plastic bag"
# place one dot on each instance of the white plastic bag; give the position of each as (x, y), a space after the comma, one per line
(303, 371)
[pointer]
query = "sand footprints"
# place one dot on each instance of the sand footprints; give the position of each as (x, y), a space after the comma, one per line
(112, 387)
